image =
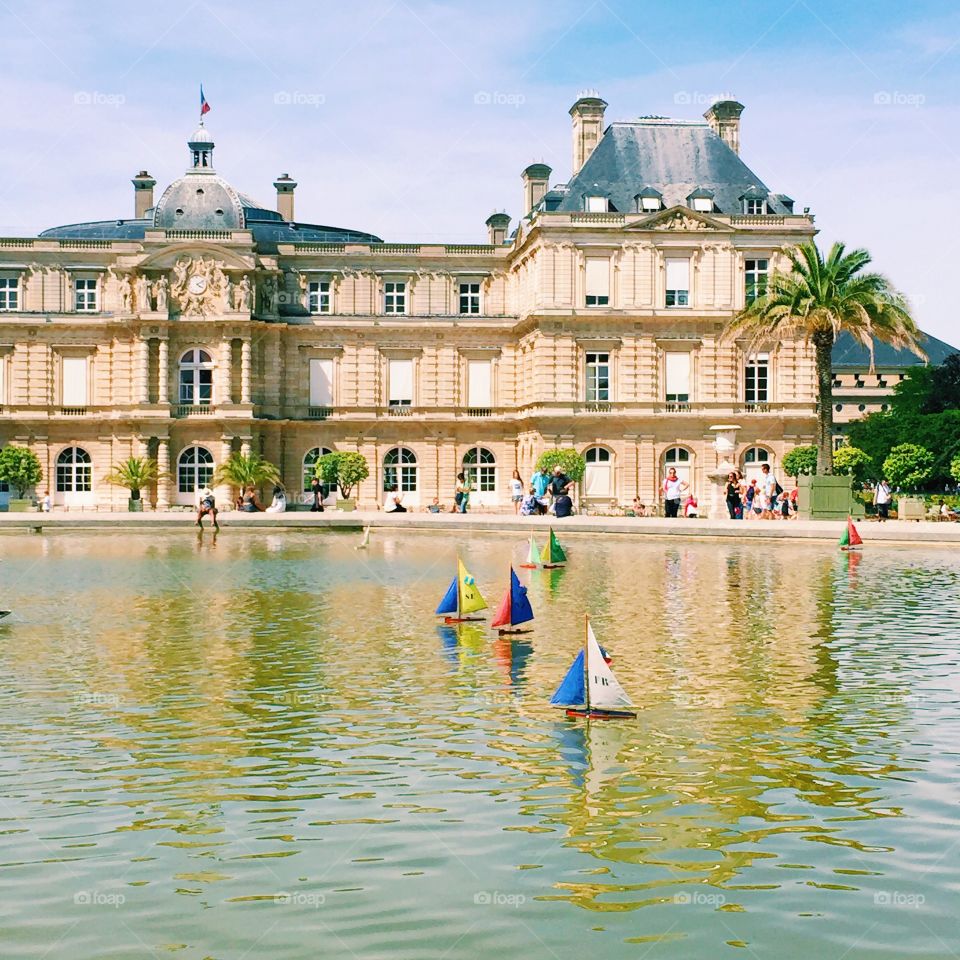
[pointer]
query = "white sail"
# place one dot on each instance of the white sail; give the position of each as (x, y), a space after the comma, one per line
(605, 690)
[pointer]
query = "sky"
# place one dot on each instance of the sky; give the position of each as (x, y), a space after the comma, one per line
(413, 120)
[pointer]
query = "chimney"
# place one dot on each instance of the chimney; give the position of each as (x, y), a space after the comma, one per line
(587, 115)
(536, 182)
(285, 187)
(724, 120)
(497, 226)
(143, 185)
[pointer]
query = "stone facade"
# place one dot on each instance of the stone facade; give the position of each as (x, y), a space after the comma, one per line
(187, 344)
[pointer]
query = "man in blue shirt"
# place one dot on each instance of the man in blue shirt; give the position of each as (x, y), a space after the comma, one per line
(540, 483)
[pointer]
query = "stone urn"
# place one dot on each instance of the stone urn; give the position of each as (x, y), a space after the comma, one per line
(725, 445)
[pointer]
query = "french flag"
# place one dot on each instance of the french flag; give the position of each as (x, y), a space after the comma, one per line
(204, 106)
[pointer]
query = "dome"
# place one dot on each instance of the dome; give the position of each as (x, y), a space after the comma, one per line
(201, 137)
(199, 201)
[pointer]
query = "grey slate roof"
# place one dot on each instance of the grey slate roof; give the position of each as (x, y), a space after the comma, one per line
(847, 353)
(675, 156)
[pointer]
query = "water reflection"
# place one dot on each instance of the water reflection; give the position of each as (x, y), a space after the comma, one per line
(208, 724)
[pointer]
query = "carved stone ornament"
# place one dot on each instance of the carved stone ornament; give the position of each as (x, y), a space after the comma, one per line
(198, 286)
(680, 221)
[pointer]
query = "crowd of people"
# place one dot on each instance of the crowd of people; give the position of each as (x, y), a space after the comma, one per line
(763, 499)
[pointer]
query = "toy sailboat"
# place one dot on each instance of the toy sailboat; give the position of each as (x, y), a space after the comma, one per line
(5, 613)
(553, 555)
(514, 609)
(533, 557)
(362, 545)
(590, 689)
(850, 539)
(462, 598)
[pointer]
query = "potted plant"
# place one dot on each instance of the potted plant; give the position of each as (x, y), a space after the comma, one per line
(20, 468)
(134, 474)
(343, 469)
(242, 471)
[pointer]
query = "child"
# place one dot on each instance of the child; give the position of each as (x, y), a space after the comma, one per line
(46, 503)
(530, 505)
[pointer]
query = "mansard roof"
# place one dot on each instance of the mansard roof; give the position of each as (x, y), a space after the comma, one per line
(677, 157)
(848, 353)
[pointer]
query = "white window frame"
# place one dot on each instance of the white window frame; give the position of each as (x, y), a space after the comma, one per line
(195, 365)
(474, 400)
(596, 273)
(702, 204)
(482, 470)
(395, 297)
(74, 471)
(10, 293)
(676, 297)
(592, 204)
(597, 370)
(404, 471)
(74, 391)
(320, 394)
(756, 379)
(677, 396)
(320, 297)
(470, 295)
(198, 474)
(755, 278)
(753, 207)
(398, 401)
(86, 294)
(650, 204)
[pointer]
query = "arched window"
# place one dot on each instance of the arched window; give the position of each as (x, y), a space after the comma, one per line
(678, 458)
(74, 471)
(194, 469)
(753, 460)
(196, 378)
(310, 459)
(480, 466)
(400, 470)
(598, 478)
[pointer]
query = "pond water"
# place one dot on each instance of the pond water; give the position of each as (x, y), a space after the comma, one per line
(262, 746)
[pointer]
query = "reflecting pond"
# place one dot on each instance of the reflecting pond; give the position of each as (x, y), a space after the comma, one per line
(263, 745)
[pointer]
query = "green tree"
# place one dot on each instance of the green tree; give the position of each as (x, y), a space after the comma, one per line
(569, 461)
(244, 471)
(134, 474)
(955, 468)
(816, 300)
(853, 462)
(909, 465)
(800, 460)
(20, 468)
(343, 469)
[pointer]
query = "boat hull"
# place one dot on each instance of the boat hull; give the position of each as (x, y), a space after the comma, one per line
(601, 714)
(461, 619)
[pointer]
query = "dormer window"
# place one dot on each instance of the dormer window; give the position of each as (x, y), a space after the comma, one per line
(703, 204)
(650, 204)
(754, 207)
(649, 200)
(597, 204)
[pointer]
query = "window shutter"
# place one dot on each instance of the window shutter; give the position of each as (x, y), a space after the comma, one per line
(321, 383)
(597, 204)
(479, 383)
(678, 273)
(401, 381)
(678, 373)
(598, 276)
(74, 392)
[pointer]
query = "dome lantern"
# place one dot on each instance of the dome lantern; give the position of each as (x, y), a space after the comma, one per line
(201, 149)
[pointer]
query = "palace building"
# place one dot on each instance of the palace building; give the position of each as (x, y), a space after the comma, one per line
(207, 323)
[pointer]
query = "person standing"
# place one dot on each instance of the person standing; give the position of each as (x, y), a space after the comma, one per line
(673, 488)
(462, 497)
(769, 489)
(540, 481)
(559, 483)
(881, 499)
(734, 504)
(516, 490)
(316, 488)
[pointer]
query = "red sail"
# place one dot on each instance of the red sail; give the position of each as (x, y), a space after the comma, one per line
(502, 617)
(854, 537)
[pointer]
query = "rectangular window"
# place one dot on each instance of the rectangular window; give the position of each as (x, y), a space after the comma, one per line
(754, 207)
(479, 383)
(649, 204)
(678, 281)
(470, 298)
(319, 296)
(757, 378)
(9, 293)
(3, 382)
(677, 377)
(394, 297)
(597, 204)
(85, 294)
(755, 279)
(74, 386)
(400, 377)
(703, 204)
(597, 281)
(321, 382)
(598, 377)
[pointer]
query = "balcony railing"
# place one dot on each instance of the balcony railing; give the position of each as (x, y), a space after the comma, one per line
(319, 413)
(754, 406)
(73, 411)
(678, 406)
(400, 410)
(194, 410)
(597, 406)
(479, 412)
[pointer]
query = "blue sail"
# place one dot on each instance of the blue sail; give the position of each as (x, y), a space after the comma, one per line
(520, 609)
(451, 599)
(570, 693)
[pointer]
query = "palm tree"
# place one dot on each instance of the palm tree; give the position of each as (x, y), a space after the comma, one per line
(134, 474)
(244, 471)
(818, 299)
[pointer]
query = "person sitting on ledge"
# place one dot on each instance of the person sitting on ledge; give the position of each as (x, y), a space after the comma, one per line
(249, 502)
(393, 502)
(207, 505)
(639, 508)
(562, 505)
(279, 502)
(530, 504)
(435, 506)
(690, 507)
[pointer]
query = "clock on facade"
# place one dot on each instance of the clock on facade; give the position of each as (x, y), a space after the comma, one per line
(197, 285)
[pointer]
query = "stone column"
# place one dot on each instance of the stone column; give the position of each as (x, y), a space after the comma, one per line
(246, 366)
(224, 373)
(245, 447)
(724, 443)
(164, 482)
(143, 371)
(163, 371)
(224, 492)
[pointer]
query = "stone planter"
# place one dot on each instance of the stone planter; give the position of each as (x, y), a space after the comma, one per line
(825, 498)
(135, 506)
(21, 506)
(908, 508)
(347, 505)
